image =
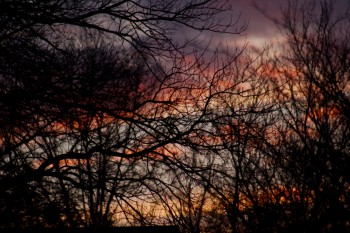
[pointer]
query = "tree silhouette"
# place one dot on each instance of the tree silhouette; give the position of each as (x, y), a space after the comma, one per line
(109, 118)
(313, 131)
(85, 95)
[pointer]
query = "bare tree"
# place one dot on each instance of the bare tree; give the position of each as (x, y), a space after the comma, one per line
(312, 134)
(147, 26)
(94, 94)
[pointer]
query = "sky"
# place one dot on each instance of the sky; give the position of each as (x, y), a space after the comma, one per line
(261, 30)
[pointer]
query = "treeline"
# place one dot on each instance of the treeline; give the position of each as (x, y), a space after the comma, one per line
(108, 117)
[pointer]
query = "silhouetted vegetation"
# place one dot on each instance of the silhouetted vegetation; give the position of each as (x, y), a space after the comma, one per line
(108, 117)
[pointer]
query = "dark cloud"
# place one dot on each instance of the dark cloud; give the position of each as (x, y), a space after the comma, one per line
(260, 16)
